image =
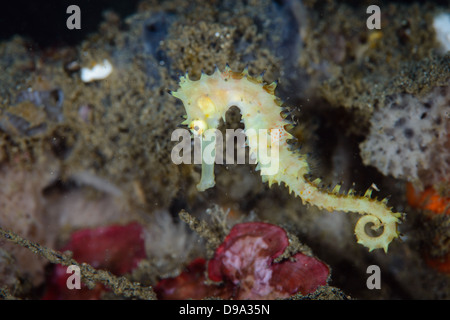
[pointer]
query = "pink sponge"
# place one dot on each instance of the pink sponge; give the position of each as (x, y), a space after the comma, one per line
(115, 248)
(244, 265)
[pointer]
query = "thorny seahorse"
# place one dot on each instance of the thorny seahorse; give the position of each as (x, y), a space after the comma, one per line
(206, 102)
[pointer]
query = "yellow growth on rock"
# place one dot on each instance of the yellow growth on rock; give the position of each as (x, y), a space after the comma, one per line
(207, 100)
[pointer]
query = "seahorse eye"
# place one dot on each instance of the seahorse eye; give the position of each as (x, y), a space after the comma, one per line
(198, 127)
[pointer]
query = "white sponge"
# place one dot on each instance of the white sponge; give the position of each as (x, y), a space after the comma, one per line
(441, 24)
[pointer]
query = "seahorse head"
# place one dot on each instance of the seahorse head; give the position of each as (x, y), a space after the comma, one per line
(202, 102)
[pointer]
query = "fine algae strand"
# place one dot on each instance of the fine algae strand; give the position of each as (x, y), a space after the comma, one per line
(206, 102)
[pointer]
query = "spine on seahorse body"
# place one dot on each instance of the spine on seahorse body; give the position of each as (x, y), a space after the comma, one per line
(206, 102)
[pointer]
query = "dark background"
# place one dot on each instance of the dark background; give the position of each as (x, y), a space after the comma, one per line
(44, 21)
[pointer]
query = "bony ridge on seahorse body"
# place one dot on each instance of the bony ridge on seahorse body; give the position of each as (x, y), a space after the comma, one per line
(206, 102)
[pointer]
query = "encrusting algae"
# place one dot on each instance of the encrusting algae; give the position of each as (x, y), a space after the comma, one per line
(206, 102)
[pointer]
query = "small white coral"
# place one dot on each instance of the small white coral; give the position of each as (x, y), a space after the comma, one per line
(168, 243)
(98, 72)
(441, 24)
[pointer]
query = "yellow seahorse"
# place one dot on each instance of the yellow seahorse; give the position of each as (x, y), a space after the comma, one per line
(207, 100)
